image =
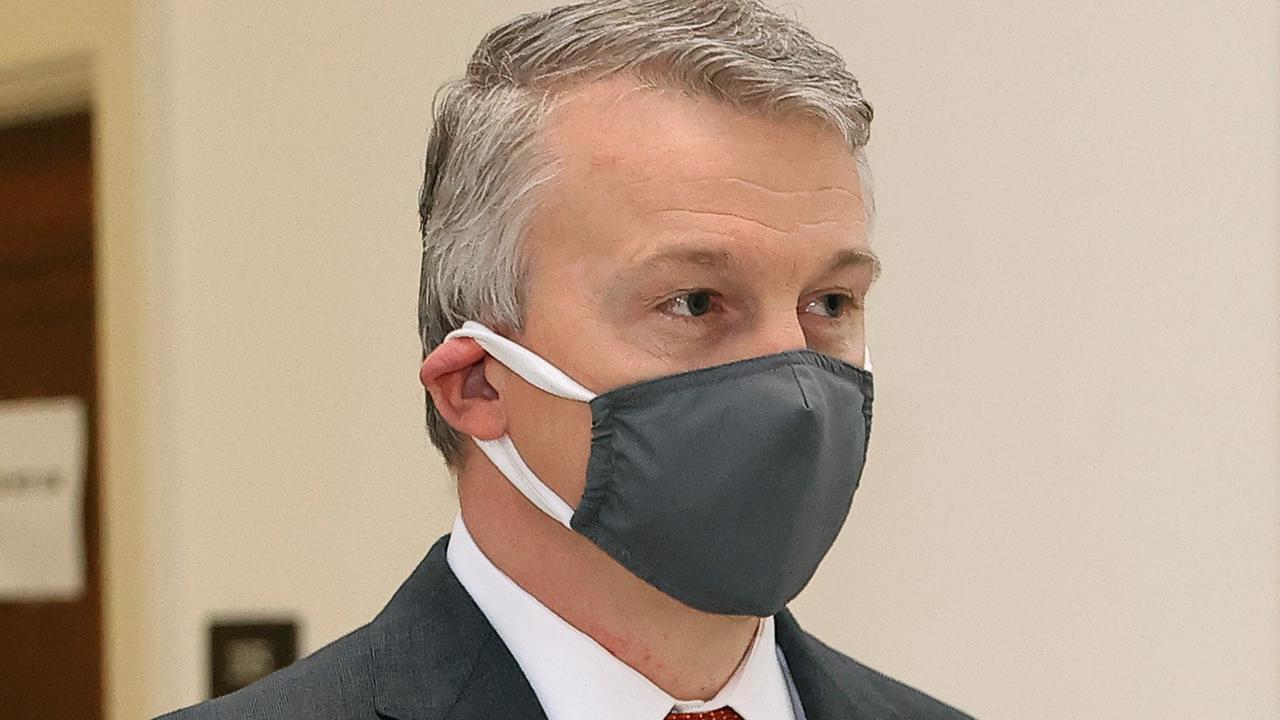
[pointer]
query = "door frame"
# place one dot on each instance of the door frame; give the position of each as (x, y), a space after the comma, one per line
(81, 79)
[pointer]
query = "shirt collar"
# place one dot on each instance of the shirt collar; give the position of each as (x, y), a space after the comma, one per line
(575, 678)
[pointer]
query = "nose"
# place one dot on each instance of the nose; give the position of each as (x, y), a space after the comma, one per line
(779, 331)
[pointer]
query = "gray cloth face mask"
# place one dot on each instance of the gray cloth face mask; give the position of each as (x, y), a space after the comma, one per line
(722, 487)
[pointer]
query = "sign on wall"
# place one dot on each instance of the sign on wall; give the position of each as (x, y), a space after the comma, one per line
(43, 446)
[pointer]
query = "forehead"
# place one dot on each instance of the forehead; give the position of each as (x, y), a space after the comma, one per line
(616, 134)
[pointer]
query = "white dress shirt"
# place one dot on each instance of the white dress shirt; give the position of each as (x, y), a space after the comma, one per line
(575, 678)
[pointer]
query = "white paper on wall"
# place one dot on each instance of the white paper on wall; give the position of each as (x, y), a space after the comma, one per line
(43, 446)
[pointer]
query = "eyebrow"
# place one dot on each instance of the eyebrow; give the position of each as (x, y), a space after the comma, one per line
(723, 260)
(852, 258)
(688, 255)
(636, 274)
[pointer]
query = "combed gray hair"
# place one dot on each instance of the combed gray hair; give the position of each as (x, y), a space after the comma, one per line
(485, 161)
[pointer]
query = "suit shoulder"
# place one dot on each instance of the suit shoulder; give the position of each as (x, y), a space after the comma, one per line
(333, 682)
(872, 688)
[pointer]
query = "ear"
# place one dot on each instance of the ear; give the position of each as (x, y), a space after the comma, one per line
(454, 374)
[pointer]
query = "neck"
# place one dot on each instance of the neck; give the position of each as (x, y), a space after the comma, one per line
(688, 653)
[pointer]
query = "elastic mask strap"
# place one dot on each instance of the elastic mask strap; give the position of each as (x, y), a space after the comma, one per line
(504, 456)
(524, 362)
(544, 376)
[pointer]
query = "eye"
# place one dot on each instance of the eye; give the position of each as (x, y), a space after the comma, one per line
(690, 304)
(832, 305)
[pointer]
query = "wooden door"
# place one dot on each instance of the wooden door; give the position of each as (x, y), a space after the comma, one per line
(50, 652)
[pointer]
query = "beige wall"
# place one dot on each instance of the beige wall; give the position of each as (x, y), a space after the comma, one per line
(1072, 506)
(1074, 499)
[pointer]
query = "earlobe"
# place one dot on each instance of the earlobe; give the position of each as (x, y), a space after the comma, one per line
(454, 374)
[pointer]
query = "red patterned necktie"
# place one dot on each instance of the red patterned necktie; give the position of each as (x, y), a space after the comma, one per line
(724, 713)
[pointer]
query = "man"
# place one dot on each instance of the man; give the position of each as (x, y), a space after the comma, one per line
(646, 255)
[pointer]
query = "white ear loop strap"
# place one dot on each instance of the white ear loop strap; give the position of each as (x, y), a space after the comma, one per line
(537, 371)
(544, 376)
(504, 456)
(524, 362)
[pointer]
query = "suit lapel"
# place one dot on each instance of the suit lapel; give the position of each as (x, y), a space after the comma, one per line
(829, 684)
(435, 656)
(820, 695)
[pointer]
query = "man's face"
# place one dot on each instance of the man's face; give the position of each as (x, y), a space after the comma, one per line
(679, 234)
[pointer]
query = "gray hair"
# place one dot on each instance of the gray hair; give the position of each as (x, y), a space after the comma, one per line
(485, 162)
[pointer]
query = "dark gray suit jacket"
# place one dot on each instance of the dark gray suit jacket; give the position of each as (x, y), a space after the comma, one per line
(432, 655)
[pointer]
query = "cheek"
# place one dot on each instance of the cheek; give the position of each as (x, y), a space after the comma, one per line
(552, 435)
